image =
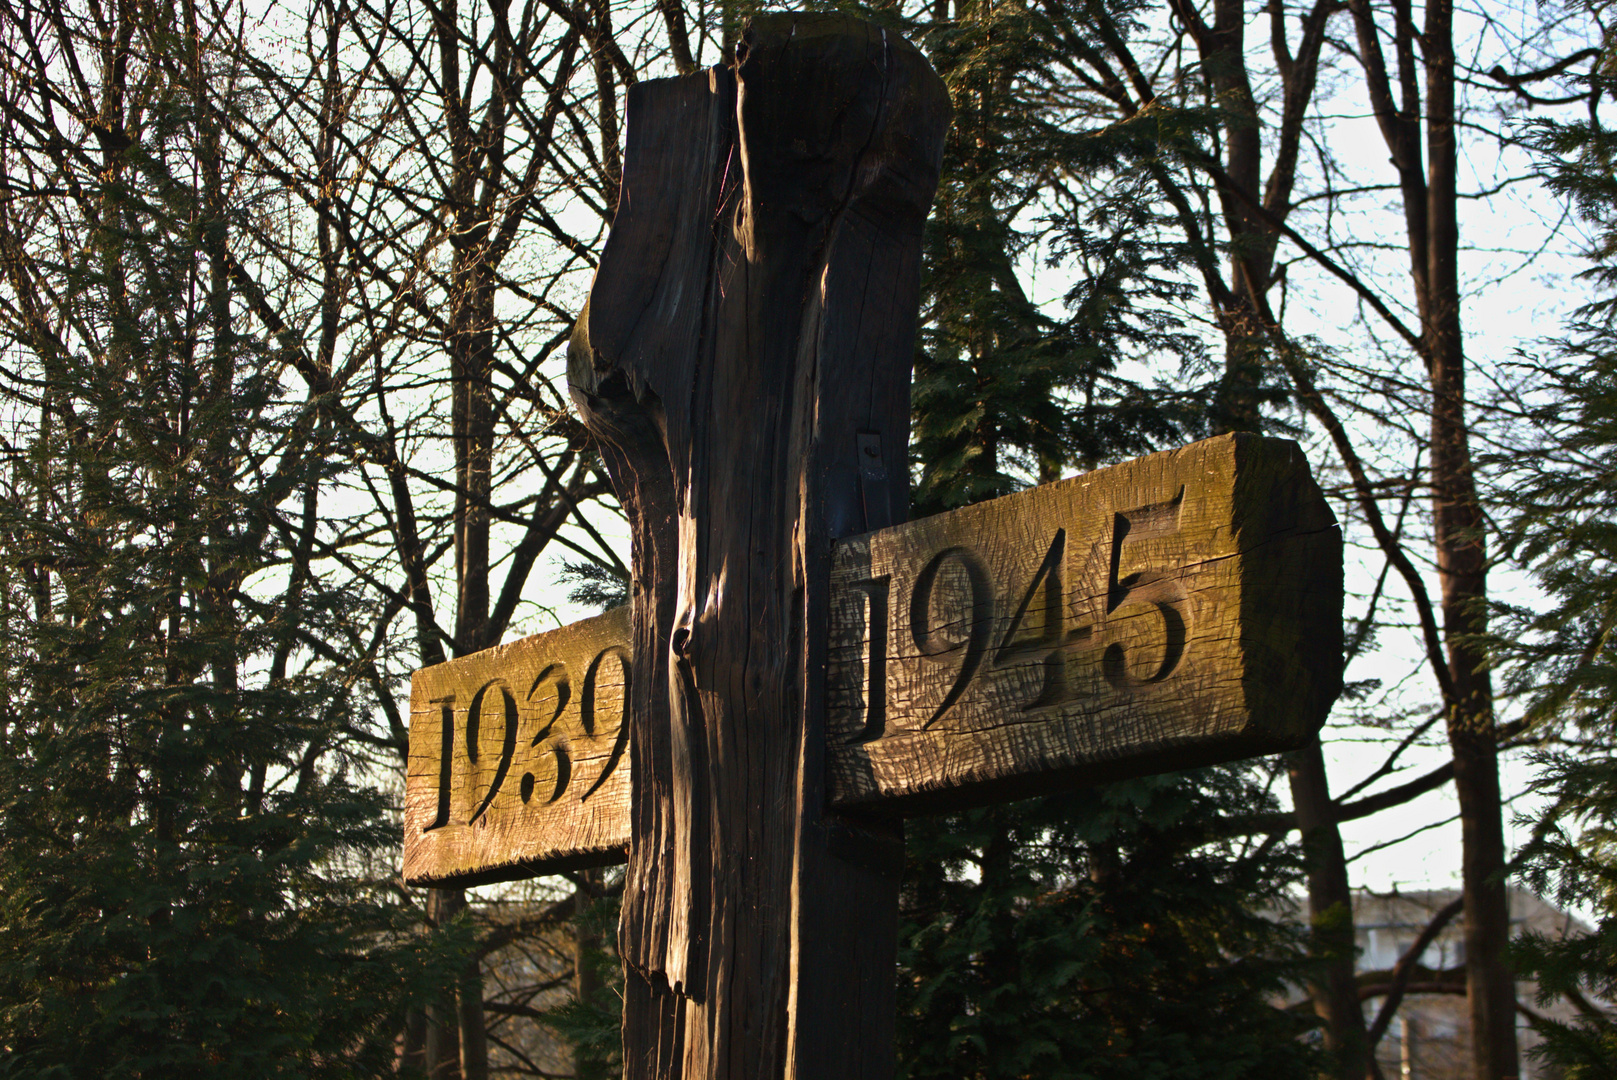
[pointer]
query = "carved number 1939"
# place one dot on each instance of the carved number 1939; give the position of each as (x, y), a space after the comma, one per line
(551, 736)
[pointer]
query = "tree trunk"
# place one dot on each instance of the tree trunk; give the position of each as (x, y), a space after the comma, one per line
(442, 1050)
(1334, 990)
(744, 360)
(588, 1064)
(1222, 46)
(1254, 241)
(1462, 572)
(473, 1027)
(413, 1047)
(1432, 222)
(470, 342)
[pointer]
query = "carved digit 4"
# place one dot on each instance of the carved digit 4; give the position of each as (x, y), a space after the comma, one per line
(1051, 641)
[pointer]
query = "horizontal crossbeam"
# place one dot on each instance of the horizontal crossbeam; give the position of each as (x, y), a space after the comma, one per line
(1173, 611)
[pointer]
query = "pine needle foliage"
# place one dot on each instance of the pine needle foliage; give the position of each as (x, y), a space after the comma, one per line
(1562, 658)
(196, 858)
(1099, 935)
(1009, 389)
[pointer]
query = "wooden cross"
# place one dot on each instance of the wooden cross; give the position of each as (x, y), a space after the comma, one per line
(797, 670)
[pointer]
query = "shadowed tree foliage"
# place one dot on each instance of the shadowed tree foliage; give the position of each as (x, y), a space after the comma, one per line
(195, 864)
(1563, 656)
(1097, 934)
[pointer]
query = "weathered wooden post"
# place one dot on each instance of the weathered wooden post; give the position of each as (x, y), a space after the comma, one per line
(751, 387)
(798, 669)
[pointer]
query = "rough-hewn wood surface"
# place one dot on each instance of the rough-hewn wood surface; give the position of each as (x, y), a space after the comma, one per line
(1172, 611)
(519, 757)
(746, 346)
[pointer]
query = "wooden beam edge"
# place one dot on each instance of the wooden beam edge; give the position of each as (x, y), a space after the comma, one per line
(515, 870)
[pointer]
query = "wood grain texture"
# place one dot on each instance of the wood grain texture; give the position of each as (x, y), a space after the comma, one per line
(1199, 619)
(1173, 611)
(519, 758)
(747, 344)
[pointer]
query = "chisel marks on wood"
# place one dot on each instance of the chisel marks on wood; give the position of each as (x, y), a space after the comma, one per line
(1169, 612)
(519, 759)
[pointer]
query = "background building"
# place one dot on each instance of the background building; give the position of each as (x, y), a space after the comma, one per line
(1429, 1039)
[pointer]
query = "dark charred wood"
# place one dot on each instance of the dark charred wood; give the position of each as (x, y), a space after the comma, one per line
(748, 337)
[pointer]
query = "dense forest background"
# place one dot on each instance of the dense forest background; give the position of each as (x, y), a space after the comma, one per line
(285, 290)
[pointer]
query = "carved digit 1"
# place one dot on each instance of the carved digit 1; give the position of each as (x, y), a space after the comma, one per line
(875, 590)
(586, 707)
(446, 759)
(934, 647)
(474, 716)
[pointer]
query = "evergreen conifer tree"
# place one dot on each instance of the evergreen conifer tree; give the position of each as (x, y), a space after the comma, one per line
(1099, 933)
(196, 859)
(1562, 495)
(1005, 391)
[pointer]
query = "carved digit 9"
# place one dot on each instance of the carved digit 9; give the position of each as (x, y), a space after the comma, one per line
(933, 645)
(508, 745)
(587, 707)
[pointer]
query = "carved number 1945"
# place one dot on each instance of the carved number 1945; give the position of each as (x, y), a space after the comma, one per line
(1136, 622)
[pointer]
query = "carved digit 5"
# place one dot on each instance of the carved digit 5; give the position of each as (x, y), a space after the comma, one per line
(1147, 638)
(932, 644)
(1145, 623)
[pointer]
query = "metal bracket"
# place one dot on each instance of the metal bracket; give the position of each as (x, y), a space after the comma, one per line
(873, 481)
